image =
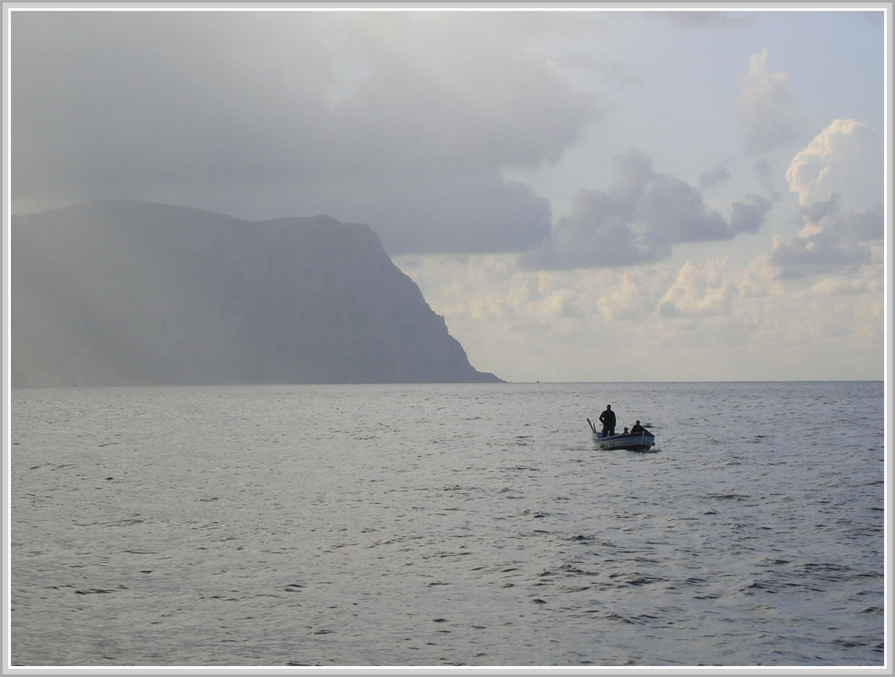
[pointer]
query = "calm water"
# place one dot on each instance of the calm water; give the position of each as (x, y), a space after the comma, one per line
(447, 525)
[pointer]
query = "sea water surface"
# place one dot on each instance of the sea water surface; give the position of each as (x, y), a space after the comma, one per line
(447, 525)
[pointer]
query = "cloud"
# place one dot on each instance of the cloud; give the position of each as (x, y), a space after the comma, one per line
(401, 120)
(716, 176)
(838, 180)
(695, 19)
(633, 296)
(639, 219)
(704, 320)
(767, 110)
(831, 238)
(845, 158)
(698, 291)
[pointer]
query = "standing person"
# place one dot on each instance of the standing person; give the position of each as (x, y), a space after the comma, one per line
(607, 418)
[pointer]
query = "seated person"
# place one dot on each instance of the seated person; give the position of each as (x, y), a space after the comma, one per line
(637, 428)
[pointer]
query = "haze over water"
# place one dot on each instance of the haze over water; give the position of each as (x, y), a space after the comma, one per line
(432, 525)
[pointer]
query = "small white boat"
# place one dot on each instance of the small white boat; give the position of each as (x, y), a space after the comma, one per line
(641, 441)
(630, 441)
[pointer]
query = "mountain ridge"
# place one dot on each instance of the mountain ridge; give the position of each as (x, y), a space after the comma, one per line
(124, 292)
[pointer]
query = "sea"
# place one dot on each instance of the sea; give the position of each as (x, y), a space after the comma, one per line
(458, 525)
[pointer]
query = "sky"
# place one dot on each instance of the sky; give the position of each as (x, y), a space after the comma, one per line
(585, 194)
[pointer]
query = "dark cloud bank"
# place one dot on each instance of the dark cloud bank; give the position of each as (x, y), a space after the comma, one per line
(394, 120)
(385, 119)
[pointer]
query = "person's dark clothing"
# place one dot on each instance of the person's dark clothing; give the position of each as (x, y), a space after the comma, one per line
(637, 428)
(607, 418)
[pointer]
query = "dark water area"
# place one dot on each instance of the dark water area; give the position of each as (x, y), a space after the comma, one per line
(447, 525)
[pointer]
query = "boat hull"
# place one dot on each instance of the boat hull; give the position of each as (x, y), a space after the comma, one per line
(629, 441)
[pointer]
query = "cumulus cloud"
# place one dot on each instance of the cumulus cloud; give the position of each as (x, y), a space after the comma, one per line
(639, 219)
(633, 296)
(401, 120)
(657, 320)
(830, 238)
(838, 178)
(767, 110)
(846, 158)
(698, 291)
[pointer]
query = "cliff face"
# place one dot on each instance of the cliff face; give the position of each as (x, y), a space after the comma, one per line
(117, 293)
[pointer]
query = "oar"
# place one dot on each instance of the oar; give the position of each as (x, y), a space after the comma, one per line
(592, 428)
